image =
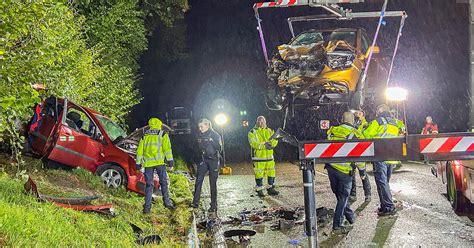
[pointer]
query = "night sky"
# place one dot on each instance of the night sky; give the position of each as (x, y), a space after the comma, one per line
(224, 65)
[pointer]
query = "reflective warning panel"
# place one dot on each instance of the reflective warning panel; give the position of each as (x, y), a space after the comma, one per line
(447, 144)
(339, 150)
(289, 3)
(435, 147)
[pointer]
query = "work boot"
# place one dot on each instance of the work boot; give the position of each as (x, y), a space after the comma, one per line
(260, 193)
(146, 211)
(272, 191)
(353, 219)
(212, 210)
(387, 213)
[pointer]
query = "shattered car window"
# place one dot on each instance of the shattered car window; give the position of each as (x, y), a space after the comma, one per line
(348, 36)
(307, 38)
(113, 129)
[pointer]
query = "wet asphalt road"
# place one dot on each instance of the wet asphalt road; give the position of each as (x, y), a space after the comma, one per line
(426, 219)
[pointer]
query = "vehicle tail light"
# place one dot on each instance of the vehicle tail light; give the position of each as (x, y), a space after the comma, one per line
(457, 163)
(461, 184)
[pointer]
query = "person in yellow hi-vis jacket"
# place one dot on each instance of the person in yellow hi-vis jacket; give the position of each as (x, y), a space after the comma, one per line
(383, 127)
(340, 174)
(262, 156)
(360, 166)
(402, 131)
(152, 150)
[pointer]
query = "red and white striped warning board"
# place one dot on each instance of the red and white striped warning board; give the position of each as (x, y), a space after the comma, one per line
(279, 3)
(289, 3)
(339, 150)
(447, 144)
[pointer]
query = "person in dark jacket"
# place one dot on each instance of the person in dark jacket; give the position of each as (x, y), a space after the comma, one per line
(210, 145)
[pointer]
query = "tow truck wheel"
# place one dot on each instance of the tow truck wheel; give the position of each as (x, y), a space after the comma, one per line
(454, 197)
(112, 175)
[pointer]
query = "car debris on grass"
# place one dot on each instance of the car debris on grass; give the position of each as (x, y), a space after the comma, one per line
(47, 224)
(76, 203)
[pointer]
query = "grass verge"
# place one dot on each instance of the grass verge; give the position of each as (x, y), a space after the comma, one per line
(26, 222)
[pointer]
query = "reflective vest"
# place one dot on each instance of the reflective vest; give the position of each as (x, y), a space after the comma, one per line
(257, 138)
(153, 148)
(382, 128)
(401, 126)
(344, 132)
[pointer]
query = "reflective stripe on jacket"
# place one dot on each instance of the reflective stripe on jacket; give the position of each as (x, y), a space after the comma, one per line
(153, 148)
(343, 132)
(383, 127)
(257, 138)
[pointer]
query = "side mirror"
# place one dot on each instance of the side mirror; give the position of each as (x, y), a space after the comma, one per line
(376, 50)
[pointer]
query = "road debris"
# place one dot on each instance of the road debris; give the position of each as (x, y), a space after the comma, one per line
(243, 234)
(76, 203)
(147, 240)
(281, 218)
(295, 243)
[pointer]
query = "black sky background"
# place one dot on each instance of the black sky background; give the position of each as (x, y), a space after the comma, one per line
(225, 65)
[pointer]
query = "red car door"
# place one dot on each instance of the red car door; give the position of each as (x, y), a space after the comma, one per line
(41, 129)
(75, 145)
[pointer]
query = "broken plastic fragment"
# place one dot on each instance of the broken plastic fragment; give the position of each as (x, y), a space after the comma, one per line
(293, 242)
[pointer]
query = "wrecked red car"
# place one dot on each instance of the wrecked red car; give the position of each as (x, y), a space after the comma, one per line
(82, 137)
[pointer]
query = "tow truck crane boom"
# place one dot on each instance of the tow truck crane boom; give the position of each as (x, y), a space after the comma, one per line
(336, 13)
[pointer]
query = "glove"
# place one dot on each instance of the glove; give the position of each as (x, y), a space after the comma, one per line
(268, 146)
(138, 167)
(170, 163)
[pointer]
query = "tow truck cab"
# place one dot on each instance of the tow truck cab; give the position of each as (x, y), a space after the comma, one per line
(81, 137)
(179, 119)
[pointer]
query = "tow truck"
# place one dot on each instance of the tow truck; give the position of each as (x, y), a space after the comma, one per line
(454, 151)
(179, 119)
(314, 82)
